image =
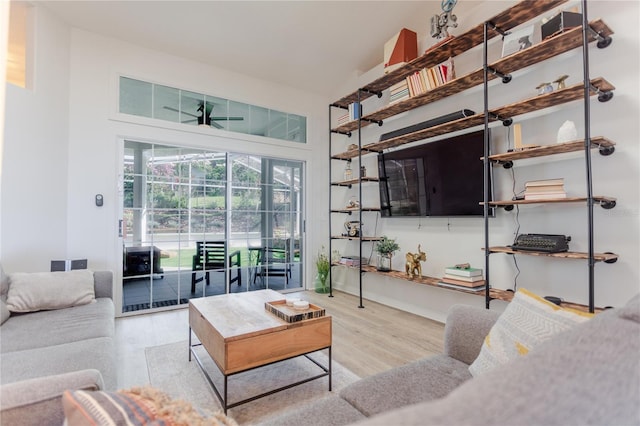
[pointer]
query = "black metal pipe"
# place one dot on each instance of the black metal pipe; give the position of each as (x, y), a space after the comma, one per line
(329, 213)
(587, 152)
(359, 111)
(487, 296)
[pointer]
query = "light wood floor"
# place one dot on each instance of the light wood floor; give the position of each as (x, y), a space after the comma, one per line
(366, 341)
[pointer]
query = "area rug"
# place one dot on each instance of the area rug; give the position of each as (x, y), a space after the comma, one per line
(170, 371)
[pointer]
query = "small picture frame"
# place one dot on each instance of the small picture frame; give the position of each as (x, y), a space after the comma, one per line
(518, 40)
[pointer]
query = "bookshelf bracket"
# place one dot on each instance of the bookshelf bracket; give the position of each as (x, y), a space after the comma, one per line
(341, 133)
(603, 95)
(603, 41)
(608, 204)
(373, 92)
(493, 27)
(505, 121)
(506, 78)
(606, 150)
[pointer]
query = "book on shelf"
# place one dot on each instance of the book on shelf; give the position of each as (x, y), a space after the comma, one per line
(471, 279)
(463, 272)
(545, 196)
(462, 283)
(355, 111)
(429, 78)
(544, 182)
(543, 189)
(459, 287)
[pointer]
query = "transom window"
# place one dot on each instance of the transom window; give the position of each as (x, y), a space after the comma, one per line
(166, 103)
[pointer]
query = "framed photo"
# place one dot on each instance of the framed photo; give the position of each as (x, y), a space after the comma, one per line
(518, 40)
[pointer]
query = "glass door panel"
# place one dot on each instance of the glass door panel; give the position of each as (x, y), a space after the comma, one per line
(178, 202)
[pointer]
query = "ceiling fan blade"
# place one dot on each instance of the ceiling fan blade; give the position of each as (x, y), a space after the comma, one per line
(182, 112)
(227, 118)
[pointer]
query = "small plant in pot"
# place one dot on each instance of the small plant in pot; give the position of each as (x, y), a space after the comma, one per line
(323, 266)
(385, 248)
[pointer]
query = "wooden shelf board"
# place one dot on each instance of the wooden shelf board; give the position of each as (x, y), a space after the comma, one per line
(364, 209)
(507, 296)
(496, 294)
(506, 20)
(559, 148)
(536, 103)
(355, 181)
(597, 199)
(539, 52)
(342, 237)
(598, 257)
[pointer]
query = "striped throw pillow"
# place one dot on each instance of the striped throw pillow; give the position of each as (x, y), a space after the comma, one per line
(527, 321)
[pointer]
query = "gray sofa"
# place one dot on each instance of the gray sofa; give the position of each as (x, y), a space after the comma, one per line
(589, 375)
(45, 352)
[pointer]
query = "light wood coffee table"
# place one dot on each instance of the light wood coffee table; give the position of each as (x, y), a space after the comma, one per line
(239, 335)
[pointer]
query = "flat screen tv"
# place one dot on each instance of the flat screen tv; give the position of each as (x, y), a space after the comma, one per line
(441, 178)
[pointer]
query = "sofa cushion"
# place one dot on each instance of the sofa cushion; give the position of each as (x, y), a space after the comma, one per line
(37, 402)
(137, 406)
(588, 375)
(98, 353)
(48, 328)
(29, 292)
(331, 410)
(527, 321)
(422, 380)
(5, 313)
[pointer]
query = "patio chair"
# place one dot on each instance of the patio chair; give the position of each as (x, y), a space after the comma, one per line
(274, 262)
(210, 257)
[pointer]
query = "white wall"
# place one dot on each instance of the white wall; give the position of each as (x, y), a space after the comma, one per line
(449, 241)
(34, 170)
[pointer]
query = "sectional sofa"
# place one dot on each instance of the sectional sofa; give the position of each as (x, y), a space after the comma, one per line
(586, 374)
(57, 333)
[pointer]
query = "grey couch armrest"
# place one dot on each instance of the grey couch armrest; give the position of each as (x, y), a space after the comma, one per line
(465, 330)
(103, 283)
(39, 401)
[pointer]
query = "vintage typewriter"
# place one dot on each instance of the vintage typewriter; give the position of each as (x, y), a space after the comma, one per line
(548, 243)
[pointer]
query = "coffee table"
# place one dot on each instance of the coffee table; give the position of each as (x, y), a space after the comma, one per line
(239, 335)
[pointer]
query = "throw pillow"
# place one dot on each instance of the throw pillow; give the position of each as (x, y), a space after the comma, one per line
(527, 321)
(29, 292)
(137, 406)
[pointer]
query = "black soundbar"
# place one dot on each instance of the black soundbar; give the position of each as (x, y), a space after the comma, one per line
(426, 124)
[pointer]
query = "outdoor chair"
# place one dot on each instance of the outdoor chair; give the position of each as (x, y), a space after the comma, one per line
(274, 262)
(210, 257)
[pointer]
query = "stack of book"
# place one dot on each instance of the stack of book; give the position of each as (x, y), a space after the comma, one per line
(429, 78)
(548, 189)
(355, 111)
(343, 119)
(399, 92)
(468, 279)
(352, 260)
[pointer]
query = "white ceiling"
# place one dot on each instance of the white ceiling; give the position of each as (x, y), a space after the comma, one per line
(311, 45)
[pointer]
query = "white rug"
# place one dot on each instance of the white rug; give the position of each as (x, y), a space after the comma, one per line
(170, 370)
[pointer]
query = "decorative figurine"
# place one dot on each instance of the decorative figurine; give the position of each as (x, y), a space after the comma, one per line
(544, 88)
(353, 228)
(413, 265)
(440, 23)
(348, 173)
(567, 132)
(560, 81)
(353, 203)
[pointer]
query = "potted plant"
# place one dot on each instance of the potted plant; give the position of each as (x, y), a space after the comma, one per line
(385, 248)
(322, 265)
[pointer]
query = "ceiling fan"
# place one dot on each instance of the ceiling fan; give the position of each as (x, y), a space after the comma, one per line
(204, 116)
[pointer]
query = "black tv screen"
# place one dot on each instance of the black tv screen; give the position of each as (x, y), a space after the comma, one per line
(441, 178)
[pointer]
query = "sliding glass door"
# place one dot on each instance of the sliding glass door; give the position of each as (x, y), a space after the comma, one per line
(199, 223)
